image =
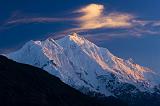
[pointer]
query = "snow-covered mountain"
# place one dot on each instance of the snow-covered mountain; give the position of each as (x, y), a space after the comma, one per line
(87, 67)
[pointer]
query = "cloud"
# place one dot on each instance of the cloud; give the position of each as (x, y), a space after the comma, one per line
(90, 12)
(19, 19)
(34, 20)
(93, 17)
(134, 32)
(156, 23)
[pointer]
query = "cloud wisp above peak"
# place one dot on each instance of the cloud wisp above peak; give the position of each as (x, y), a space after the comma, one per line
(93, 17)
(34, 20)
(91, 11)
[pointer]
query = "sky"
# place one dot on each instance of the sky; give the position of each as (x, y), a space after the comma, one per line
(128, 28)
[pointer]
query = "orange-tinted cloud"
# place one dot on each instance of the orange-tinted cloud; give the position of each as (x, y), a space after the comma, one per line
(93, 17)
(91, 12)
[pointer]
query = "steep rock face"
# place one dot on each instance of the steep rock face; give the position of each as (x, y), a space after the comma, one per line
(87, 67)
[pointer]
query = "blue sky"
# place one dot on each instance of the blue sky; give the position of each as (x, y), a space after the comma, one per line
(128, 28)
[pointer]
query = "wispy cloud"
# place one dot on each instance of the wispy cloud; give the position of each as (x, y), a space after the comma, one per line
(18, 20)
(134, 32)
(34, 20)
(93, 17)
(156, 23)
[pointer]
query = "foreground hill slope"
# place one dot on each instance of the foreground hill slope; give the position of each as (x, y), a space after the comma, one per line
(27, 85)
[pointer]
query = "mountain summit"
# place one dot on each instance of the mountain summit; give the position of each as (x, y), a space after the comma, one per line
(87, 67)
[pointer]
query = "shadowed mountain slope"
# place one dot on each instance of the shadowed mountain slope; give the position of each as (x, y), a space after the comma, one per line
(22, 84)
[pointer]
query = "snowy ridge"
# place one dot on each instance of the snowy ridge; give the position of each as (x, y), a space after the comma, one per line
(85, 66)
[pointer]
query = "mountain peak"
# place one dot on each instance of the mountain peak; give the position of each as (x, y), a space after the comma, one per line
(73, 38)
(74, 34)
(80, 63)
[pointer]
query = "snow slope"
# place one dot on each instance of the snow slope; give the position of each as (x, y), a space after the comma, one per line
(85, 66)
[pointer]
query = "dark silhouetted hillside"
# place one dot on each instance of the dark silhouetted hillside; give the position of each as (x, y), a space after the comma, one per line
(27, 85)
